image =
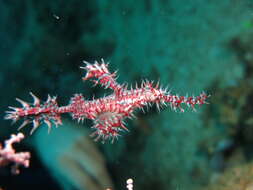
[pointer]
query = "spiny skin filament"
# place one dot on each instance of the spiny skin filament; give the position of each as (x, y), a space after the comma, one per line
(108, 113)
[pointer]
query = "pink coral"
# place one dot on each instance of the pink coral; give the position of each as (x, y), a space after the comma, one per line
(9, 155)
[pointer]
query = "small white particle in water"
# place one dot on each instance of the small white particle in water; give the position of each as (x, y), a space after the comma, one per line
(56, 17)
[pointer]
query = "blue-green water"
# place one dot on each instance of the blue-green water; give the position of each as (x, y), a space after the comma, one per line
(192, 46)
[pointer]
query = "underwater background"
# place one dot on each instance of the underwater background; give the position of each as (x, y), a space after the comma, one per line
(190, 45)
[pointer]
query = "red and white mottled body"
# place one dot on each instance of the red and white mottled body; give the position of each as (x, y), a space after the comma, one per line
(109, 112)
